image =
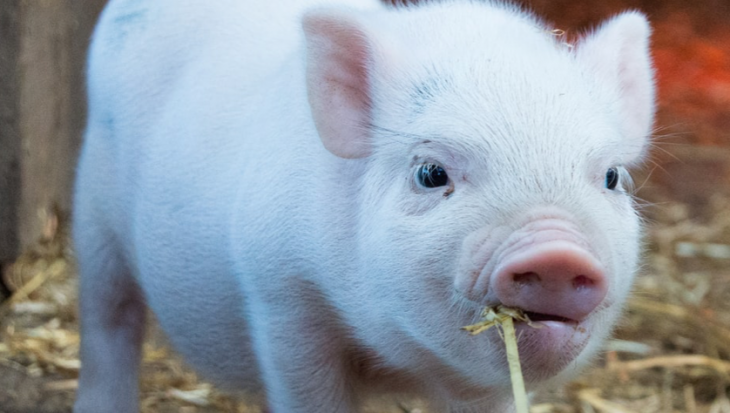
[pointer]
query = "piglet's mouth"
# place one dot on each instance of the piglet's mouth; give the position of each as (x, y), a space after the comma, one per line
(538, 317)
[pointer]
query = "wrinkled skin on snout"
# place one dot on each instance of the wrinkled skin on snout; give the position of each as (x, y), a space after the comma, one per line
(314, 200)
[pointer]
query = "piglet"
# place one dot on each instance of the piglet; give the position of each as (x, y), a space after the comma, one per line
(314, 199)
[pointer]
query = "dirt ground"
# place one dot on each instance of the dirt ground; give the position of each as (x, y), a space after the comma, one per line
(671, 352)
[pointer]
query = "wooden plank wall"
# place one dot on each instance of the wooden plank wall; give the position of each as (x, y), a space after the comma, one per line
(9, 135)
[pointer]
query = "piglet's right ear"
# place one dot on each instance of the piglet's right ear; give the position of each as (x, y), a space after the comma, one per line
(339, 55)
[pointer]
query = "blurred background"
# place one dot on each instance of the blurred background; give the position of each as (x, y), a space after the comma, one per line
(671, 352)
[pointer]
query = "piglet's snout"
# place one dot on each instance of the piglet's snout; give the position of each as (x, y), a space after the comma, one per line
(551, 276)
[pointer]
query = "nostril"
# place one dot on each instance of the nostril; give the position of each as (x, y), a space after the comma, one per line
(582, 282)
(527, 278)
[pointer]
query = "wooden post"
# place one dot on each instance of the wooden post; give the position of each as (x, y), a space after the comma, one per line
(42, 112)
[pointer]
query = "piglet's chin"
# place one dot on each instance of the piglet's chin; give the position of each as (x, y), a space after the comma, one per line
(550, 347)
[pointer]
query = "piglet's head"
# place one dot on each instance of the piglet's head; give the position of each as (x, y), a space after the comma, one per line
(493, 170)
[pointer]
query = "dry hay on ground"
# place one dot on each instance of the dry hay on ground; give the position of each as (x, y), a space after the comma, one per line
(671, 352)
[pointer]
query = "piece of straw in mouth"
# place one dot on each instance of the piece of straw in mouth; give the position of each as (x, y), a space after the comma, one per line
(504, 317)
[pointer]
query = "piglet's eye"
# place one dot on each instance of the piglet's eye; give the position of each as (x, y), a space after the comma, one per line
(429, 175)
(612, 178)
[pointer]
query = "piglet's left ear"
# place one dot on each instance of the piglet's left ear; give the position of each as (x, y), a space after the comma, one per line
(619, 53)
(339, 60)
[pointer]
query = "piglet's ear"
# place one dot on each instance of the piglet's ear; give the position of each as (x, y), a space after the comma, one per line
(339, 54)
(619, 53)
